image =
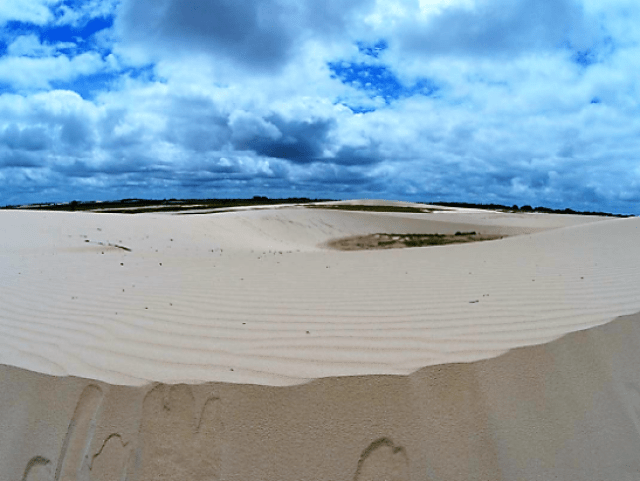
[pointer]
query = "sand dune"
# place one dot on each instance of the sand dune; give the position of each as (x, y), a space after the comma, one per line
(282, 359)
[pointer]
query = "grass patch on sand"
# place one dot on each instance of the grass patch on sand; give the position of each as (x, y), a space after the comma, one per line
(373, 208)
(398, 241)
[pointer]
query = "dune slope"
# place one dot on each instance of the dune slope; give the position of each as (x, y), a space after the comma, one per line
(236, 346)
(252, 298)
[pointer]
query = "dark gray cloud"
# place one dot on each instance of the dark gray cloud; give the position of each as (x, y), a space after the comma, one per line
(20, 158)
(250, 32)
(114, 167)
(503, 27)
(26, 138)
(332, 17)
(340, 175)
(109, 129)
(78, 169)
(253, 33)
(358, 156)
(77, 132)
(300, 141)
(196, 124)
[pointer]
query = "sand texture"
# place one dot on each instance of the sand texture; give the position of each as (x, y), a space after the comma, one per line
(237, 346)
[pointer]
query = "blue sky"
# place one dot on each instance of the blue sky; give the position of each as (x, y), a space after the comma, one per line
(488, 101)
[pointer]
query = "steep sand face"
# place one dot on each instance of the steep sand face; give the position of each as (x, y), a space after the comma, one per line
(568, 409)
(236, 347)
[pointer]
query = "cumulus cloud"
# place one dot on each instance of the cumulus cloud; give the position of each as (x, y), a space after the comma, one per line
(474, 100)
(17, 158)
(34, 11)
(80, 13)
(29, 46)
(211, 131)
(295, 140)
(491, 27)
(28, 138)
(53, 125)
(246, 127)
(252, 34)
(38, 73)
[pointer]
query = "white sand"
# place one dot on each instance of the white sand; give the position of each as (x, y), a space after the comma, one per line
(251, 301)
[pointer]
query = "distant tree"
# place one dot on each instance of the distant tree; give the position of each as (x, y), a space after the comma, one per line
(526, 208)
(73, 204)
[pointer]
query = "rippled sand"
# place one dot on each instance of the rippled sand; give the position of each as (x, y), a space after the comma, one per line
(239, 346)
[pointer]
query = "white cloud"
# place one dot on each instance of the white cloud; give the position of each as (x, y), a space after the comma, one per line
(251, 102)
(37, 73)
(246, 126)
(34, 11)
(29, 46)
(88, 9)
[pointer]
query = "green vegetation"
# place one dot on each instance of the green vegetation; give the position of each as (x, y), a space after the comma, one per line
(373, 208)
(420, 240)
(524, 208)
(396, 241)
(140, 206)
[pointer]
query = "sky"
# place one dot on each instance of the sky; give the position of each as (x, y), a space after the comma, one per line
(487, 101)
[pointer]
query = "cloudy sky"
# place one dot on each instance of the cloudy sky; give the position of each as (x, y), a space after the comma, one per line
(461, 100)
